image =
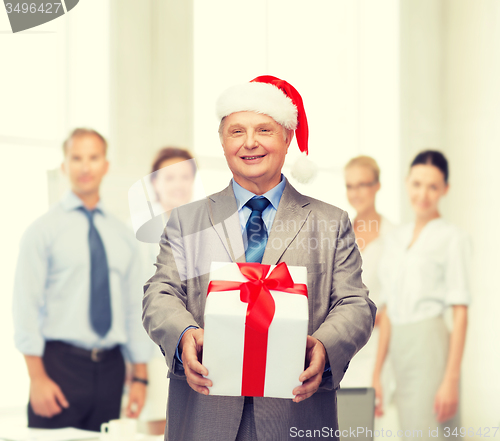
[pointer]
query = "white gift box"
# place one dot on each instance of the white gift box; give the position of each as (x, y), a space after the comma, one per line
(224, 336)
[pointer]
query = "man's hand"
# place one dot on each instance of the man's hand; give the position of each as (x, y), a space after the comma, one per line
(46, 397)
(316, 358)
(191, 346)
(136, 399)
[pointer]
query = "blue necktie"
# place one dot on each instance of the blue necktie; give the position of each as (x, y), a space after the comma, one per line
(256, 230)
(100, 303)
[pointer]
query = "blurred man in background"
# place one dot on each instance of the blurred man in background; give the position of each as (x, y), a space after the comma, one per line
(77, 303)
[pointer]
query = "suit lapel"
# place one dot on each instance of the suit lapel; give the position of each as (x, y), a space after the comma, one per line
(292, 213)
(223, 212)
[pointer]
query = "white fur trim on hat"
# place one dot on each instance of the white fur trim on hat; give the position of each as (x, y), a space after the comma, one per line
(261, 98)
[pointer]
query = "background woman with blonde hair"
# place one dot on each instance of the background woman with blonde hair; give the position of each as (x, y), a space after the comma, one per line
(362, 177)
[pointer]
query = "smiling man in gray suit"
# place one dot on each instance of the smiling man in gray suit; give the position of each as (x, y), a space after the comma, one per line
(259, 217)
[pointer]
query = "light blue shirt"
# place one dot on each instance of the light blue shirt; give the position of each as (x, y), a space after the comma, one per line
(52, 283)
(242, 196)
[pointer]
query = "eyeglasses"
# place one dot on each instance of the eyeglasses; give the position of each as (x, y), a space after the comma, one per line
(361, 185)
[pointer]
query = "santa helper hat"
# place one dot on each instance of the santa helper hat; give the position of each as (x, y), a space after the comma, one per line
(279, 100)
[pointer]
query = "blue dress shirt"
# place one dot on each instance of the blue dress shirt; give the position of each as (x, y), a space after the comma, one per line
(242, 196)
(52, 283)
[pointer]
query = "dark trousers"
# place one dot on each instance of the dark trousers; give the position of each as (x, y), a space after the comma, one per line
(246, 431)
(93, 388)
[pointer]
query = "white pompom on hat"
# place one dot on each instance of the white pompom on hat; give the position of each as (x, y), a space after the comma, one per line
(281, 101)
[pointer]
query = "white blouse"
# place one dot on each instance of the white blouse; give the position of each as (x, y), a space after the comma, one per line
(360, 371)
(371, 255)
(420, 282)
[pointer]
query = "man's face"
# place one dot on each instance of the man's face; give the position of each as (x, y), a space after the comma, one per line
(85, 164)
(255, 147)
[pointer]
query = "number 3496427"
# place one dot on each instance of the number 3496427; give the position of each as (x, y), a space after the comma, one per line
(32, 8)
(486, 432)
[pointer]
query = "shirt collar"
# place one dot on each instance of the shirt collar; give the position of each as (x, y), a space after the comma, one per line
(71, 201)
(242, 195)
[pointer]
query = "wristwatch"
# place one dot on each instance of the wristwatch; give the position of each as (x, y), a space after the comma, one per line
(140, 380)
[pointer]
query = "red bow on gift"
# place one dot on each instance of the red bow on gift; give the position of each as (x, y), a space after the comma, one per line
(260, 313)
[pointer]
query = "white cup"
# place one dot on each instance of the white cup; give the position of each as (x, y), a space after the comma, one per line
(123, 429)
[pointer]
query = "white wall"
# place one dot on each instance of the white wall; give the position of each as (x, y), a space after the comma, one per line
(151, 66)
(471, 140)
(422, 58)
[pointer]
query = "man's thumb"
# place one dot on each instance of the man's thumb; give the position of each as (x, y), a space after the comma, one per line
(61, 398)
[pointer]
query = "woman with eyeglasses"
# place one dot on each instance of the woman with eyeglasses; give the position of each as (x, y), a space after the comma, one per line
(424, 271)
(362, 177)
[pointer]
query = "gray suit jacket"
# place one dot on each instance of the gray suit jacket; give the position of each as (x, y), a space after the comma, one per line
(305, 232)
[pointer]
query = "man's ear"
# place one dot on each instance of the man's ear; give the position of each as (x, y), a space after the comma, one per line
(63, 167)
(289, 138)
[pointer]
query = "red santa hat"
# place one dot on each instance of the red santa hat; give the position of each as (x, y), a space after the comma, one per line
(271, 96)
(279, 100)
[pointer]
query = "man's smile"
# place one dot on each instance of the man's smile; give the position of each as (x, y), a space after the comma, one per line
(252, 158)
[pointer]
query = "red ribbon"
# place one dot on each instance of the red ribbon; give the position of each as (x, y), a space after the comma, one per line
(260, 313)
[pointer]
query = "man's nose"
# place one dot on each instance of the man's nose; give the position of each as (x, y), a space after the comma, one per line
(85, 166)
(250, 140)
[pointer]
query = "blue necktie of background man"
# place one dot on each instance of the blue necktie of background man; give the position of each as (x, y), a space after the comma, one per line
(100, 302)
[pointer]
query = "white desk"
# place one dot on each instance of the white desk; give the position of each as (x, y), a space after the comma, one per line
(13, 432)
